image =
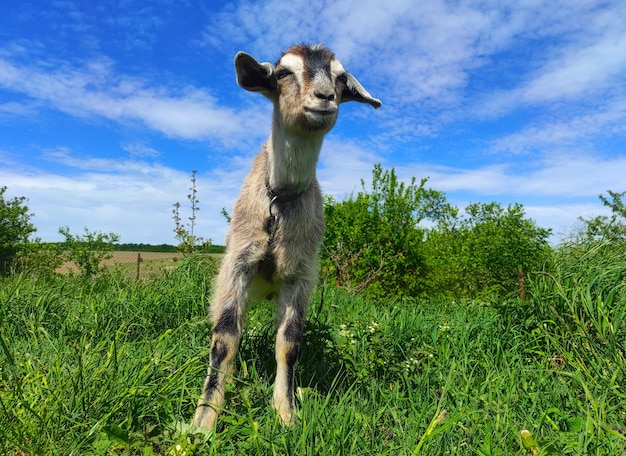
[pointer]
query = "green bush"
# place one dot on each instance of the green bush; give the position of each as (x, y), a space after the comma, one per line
(373, 243)
(482, 253)
(377, 243)
(88, 250)
(607, 228)
(15, 230)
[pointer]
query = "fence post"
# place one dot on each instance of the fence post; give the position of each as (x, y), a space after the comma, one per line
(520, 283)
(138, 265)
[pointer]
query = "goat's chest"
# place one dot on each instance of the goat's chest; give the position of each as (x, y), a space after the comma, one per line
(293, 240)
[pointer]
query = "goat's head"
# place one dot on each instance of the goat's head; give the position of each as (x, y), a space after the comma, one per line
(306, 85)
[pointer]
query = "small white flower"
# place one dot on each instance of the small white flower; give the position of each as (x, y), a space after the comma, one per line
(345, 332)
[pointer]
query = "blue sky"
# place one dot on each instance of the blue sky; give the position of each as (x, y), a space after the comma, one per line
(107, 107)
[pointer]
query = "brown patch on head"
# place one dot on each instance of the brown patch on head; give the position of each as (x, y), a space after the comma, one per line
(305, 50)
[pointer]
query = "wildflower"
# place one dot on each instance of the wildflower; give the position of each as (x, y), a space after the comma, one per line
(344, 332)
(529, 443)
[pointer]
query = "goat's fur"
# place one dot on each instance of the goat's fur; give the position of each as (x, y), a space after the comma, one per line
(277, 223)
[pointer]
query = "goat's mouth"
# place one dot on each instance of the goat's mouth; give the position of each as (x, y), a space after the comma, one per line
(322, 112)
(320, 117)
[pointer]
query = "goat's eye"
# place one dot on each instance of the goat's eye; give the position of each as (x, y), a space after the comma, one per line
(283, 73)
(343, 78)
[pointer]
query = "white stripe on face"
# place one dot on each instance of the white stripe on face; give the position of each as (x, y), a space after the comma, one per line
(293, 63)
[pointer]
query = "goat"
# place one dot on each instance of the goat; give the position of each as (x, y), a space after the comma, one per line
(277, 223)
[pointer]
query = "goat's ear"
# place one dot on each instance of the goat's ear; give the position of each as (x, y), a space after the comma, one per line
(354, 91)
(254, 76)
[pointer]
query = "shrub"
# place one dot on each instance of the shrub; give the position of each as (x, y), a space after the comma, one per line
(481, 253)
(15, 229)
(88, 250)
(373, 242)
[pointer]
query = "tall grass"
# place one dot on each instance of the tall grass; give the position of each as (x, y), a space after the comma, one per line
(112, 366)
(583, 303)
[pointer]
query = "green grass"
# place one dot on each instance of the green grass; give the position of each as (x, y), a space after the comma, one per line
(114, 366)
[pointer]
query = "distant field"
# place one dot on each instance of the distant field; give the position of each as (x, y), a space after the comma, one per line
(152, 265)
(131, 257)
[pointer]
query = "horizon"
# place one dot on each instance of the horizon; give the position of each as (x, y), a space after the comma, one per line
(106, 110)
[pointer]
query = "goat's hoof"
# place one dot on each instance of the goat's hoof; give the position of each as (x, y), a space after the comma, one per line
(205, 417)
(287, 416)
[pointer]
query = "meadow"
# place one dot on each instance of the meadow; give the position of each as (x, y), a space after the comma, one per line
(152, 265)
(114, 366)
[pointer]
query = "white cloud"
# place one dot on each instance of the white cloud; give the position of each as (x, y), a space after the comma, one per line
(580, 71)
(559, 176)
(130, 197)
(14, 109)
(571, 129)
(562, 218)
(583, 61)
(139, 150)
(342, 166)
(95, 90)
(426, 49)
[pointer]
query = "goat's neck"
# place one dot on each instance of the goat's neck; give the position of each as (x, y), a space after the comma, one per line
(291, 159)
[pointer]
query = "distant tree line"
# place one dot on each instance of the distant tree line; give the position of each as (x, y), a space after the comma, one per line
(164, 248)
(130, 247)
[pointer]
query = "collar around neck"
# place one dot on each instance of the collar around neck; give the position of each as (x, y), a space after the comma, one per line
(283, 194)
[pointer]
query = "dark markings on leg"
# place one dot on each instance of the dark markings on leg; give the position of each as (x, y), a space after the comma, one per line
(227, 323)
(294, 331)
(292, 357)
(218, 353)
(211, 383)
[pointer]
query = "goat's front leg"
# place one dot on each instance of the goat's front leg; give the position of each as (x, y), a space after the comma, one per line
(224, 345)
(229, 303)
(293, 301)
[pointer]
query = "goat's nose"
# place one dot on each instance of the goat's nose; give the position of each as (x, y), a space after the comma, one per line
(325, 95)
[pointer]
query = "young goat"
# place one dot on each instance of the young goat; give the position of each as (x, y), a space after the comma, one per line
(277, 223)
